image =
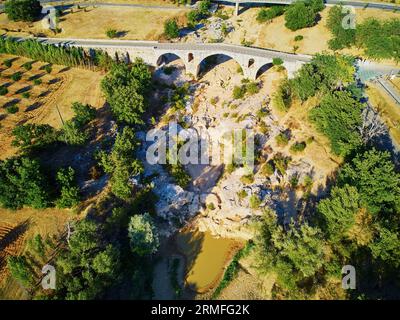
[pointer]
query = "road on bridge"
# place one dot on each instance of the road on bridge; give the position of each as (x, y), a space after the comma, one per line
(256, 52)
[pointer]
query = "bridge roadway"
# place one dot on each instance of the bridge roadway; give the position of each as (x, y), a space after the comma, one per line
(251, 59)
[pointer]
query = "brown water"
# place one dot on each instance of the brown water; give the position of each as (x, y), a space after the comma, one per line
(206, 258)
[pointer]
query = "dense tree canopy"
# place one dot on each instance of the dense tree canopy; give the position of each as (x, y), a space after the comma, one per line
(142, 234)
(125, 88)
(338, 116)
(302, 14)
(22, 182)
(23, 10)
(121, 163)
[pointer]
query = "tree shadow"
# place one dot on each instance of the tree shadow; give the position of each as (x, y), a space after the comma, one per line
(14, 234)
(34, 106)
(121, 34)
(44, 94)
(36, 76)
(11, 103)
(22, 90)
(54, 81)
(64, 69)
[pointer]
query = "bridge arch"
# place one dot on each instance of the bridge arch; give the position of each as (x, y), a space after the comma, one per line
(263, 69)
(207, 63)
(168, 57)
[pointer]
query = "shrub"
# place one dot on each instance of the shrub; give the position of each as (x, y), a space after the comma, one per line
(298, 147)
(27, 66)
(26, 95)
(20, 270)
(72, 134)
(298, 38)
(83, 113)
(281, 163)
(283, 96)
(281, 140)
(28, 136)
(211, 206)
(252, 88)
(111, 33)
(8, 63)
(267, 169)
(242, 194)
(171, 29)
(254, 202)
(12, 109)
(48, 68)
(299, 15)
(16, 76)
(239, 92)
(3, 90)
(265, 15)
(37, 82)
(142, 234)
(22, 182)
(247, 179)
(69, 190)
(277, 61)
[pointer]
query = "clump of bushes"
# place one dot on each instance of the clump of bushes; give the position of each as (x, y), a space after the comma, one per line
(302, 14)
(3, 90)
(266, 15)
(247, 179)
(171, 29)
(282, 139)
(12, 109)
(298, 147)
(111, 33)
(16, 76)
(247, 87)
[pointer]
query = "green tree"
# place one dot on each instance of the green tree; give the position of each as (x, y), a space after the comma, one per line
(298, 15)
(72, 134)
(342, 38)
(23, 10)
(125, 88)
(69, 190)
(84, 113)
(142, 234)
(121, 163)
(22, 182)
(171, 29)
(373, 174)
(338, 116)
(20, 270)
(30, 136)
(295, 254)
(339, 211)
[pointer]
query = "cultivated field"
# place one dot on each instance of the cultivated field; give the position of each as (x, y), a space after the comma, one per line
(58, 88)
(38, 94)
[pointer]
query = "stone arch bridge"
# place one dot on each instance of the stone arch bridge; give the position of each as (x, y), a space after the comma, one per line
(251, 60)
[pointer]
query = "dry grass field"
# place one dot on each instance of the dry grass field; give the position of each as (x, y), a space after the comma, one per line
(130, 23)
(276, 36)
(58, 89)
